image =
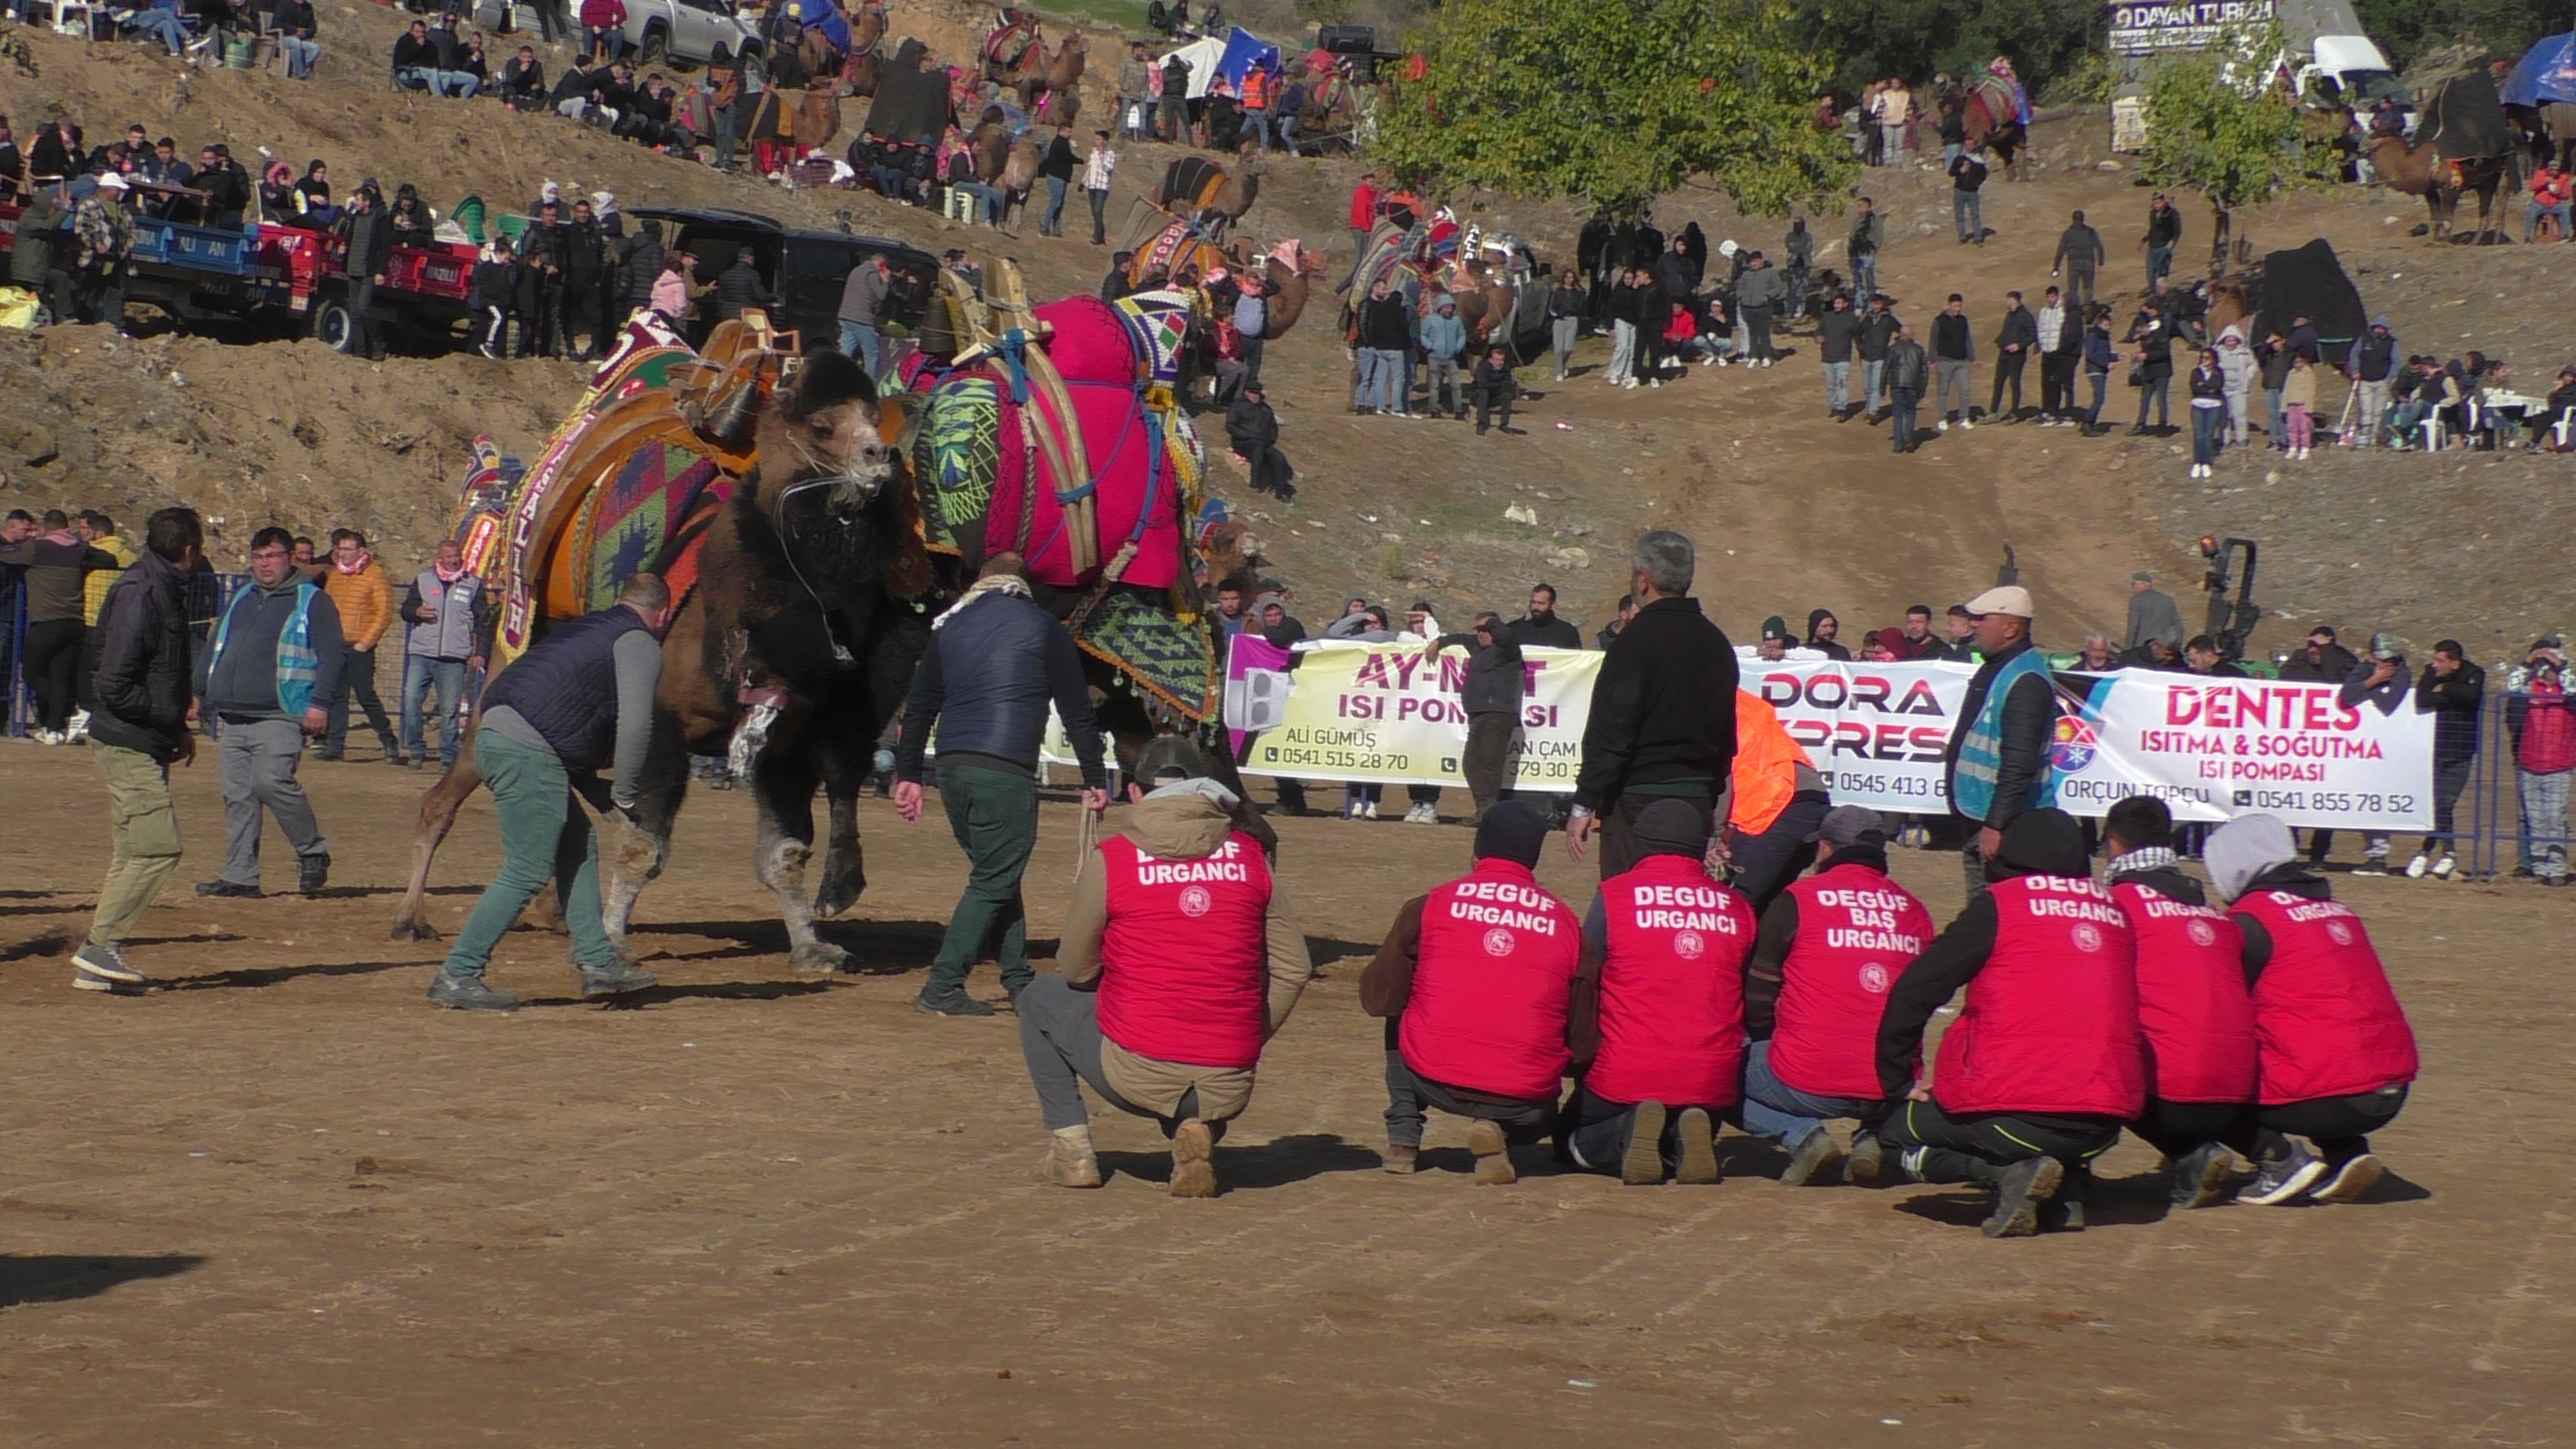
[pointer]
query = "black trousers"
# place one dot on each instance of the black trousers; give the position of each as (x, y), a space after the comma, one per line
(366, 335)
(1251, 363)
(53, 667)
(2057, 383)
(1489, 756)
(1971, 1148)
(1757, 324)
(1409, 1094)
(581, 314)
(2340, 1126)
(1488, 399)
(539, 314)
(1269, 469)
(2008, 366)
(1618, 839)
(2174, 1128)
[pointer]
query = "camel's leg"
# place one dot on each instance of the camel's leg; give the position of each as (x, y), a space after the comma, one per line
(845, 872)
(642, 846)
(782, 785)
(438, 807)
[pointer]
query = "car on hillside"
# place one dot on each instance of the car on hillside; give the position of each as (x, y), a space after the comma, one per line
(801, 268)
(677, 32)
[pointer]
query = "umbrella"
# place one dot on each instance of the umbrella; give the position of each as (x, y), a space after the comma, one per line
(2545, 74)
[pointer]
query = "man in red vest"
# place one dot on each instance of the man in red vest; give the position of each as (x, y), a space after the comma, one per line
(1830, 948)
(1672, 944)
(1179, 960)
(2044, 1063)
(1489, 996)
(2193, 1006)
(2334, 1052)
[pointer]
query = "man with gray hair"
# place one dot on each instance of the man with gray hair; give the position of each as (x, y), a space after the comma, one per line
(2152, 613)
(1662, 722)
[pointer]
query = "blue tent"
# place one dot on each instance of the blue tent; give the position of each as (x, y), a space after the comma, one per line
(2546, 73)
(1242, 49)
(825, 16)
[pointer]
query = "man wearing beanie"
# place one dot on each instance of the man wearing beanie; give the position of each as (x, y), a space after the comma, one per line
(1662, 722)
(1489, 995)
(1179, 960)
(1671, 943)
(2334, 1055)
(1829, 949)
(1998, 755)
(2044, 1062)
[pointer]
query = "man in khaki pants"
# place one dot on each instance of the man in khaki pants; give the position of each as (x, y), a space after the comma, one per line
(138, 689)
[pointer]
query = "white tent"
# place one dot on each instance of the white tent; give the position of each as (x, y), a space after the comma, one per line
(1203, 57)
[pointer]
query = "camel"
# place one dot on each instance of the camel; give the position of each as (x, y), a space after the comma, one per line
(1017, 175)
(1986, 113)
(2422, 171)
(1331, 115)
(1194, 186)
(1050, 86)
(794, 596)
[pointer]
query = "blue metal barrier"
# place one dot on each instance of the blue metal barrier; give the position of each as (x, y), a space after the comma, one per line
(2498, 788)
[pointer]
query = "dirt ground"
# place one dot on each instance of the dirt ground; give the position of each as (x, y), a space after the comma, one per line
(283, 1201)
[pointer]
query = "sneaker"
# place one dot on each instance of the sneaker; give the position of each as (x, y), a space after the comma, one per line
(952, 1002)
(2372, 865)
(1425, 813)
(1193, 1160)
(100, 967)
(1967, 425)
(228, 890)
(1698, 1148)
(326, 755)
(1943, 425)
(1069, 1160)
(1401, 1158)
(52, 737)
(1861, 1168)
(1642, 1165)
(2415, 868)
(1818, 1155)
(1493, 1156)
(2448, 863)
(468, 993)
(613, 979)
(1368, 810)
(2358, 1174)
(2020, 1192)
(2198, 1177)
(2279, 1180)
(312, 872)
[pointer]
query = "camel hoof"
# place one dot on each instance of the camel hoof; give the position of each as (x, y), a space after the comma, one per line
(415, 929)
(839, 892)
(820, 958)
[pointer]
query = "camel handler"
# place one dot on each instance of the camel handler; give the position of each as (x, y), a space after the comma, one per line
(1672, 944)
(1998, 754)
(1489, 995)
(580, 699)
(996, 659)
(1815, 989)
(1179, 960)
(2044, 1063)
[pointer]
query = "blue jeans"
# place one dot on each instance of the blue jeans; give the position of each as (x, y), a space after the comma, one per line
(1054, 222)
(163, 24)
(1257, 123)
(2208, 433)
(1382, 379)
(1871, 375)
(2279, 437)
(545, 835)
(1968, 214)
(420, 674)
(2101, 387)
(1864, 277)
(859, 340)
(2159, 262)
(1837, 385)
(1775, 1110)
(1288, 132)
(1904, 402)
(300, 55)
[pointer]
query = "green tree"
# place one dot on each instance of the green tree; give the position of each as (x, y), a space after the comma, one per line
(2217, 125)
(1915, 39)
(1616, 101)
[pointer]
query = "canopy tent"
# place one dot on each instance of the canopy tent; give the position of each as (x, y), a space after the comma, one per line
(1209, 58)
(2545, 74)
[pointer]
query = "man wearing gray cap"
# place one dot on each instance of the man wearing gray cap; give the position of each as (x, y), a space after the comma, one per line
(2152, 613)
(1828, 950)
(1997, 762)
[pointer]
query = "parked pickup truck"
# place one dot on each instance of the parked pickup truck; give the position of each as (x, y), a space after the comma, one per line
(683, 32)
(802, 270)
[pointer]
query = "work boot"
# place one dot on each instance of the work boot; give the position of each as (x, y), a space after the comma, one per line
(2198, 1177)
(2280, 1179)
(97, 966)
(1815, 1157)
(468, 993)
(1493, 1156)
(2354, 1176)
(613, 979)
(1401, 1158)
(2020, 1191)
(1193, 1160)
(2063, 1213)
(312, 872)
(228, 890)
(1642, 1165)
(1069, 1161)
(1698, 1144)
(952, 1002)
(1861, 1168)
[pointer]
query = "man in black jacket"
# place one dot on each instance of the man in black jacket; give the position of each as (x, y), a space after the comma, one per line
(542, 253)
(371, 243)
(1662, 720)
(2079, 254)
(496, 286)
(1386, 332)
(1253, 429)
(2013, 347)
(585, 278)
(1954, 352)
(2374, 362)
(1908, 371)
(140, 689)
(1878, 329)
(1056, 168)
(996, 660)
(1492, 696)
(1836, 332)
(2451, 689)
(1541, 627)
(2164, 230)
(1492, 387)
(2005, 745)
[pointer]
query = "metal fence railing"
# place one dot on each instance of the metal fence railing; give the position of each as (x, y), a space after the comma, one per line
(2500, 790)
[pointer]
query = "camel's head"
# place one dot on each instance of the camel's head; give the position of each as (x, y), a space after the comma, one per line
(820, 439)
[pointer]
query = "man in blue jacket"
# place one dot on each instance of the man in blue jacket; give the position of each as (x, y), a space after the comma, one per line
(277, 655)
(996, 660)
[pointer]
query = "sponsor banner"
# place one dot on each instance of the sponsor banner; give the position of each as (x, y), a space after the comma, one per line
(1383, 714)
(1876, 732)
(2148, 29)
(2214, 749)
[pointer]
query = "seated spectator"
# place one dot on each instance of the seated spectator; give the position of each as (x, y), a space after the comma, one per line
(523, 81)
(412, 224)
(578, 92)
(2544, 420)
(603, 27)
(473, 63)
(1493, 387)
(311, 199)
(450, 51)
(1253, 429)
(296, 29)
(160, 21)
(227, 187)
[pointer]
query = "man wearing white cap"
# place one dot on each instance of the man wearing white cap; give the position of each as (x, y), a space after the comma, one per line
(1997, 762)
(102, 234)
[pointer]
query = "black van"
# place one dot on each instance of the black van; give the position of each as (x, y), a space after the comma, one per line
(803, 269)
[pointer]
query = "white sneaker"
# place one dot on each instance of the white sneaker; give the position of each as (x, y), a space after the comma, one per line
(2415, 868)
(1425, 813)
(2442, 868)
(1944, 425)
(52, 737)
(1630, 383)
(1368, 810)
(1967, 425)
(1658, 382)
(77, 727)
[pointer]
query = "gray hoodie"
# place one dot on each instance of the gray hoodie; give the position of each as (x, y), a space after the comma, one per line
(2244, 848)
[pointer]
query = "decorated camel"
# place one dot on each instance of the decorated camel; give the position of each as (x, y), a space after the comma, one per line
(2462, 145)
(1991, 108)
(1489, 274)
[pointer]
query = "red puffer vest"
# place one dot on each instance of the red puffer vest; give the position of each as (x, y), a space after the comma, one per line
(2192, 1004)
(2328, 1024)
(2548, 731)
(1672, 987)
(1493, 984)
(1184, 960)
(2051, 1022)
(1857, 929)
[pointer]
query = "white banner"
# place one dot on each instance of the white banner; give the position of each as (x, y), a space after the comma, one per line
(1383, 714)
(2146, 29)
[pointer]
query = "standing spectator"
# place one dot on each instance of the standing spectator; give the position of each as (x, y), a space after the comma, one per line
(443, 649)
(996, 659)
(1260, 88)
(1363, 221)
(1914, 640)
(1662, 721)
(16, 528)
(1626, 302)
(1967, 198)
(1056, 166)
(1823, 630)
(2154, 359)
(2014, 344)
(2164, 230)
(2373, 362)
(2238, 370)
(1836, 333)
(2208, 394)
(1878, 329)
(2152, 613)
(1998, 754)
(2320, 660)
(2543, 725)
(1862, 248)
(1443, 338)
(2451, 689)
(276, 656)
(1610, 632)
(1954, 351)
(2079, 256)
(1565, 308)
(2098, 357)
(371, 245)
(1757, 298)
(1909, 372)
(1096, 171)
(585, 281)
(137, 677)
(496, 283)
(1893, 113)
(54, 563)
(364, 595)
(1386, 334)
(2061, 346)
(1251, 322)
(722, 85)
(99, 531)
(1253, 430)
(1542, 627)
(540, 297)
(863, 299)
(1494, 389)
(1176, 101)
(2298, 400)
(1136, 87)
(639, 266)
(1492, 699)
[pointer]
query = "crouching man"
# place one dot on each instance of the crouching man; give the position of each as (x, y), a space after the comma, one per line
(1672, 944)
(2044, 1063)
(2334, 1055)
(1489, 996)
(1179, 960)
(1829, 950)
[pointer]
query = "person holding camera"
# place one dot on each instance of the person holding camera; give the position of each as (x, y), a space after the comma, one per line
(2543, 729)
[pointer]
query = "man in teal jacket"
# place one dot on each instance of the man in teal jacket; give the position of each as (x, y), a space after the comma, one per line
(277, 655)
(1998, 757)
